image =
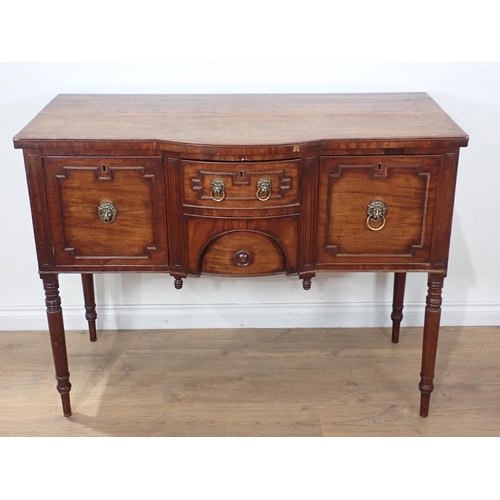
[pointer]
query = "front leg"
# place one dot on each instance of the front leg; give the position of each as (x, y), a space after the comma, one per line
(430, 341)
(57, 338)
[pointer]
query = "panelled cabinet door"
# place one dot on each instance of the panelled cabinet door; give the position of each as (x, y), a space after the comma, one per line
(106, 210)
(377, 209)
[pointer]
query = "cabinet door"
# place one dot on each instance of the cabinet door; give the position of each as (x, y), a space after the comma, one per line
(106, 210)
(376, 210)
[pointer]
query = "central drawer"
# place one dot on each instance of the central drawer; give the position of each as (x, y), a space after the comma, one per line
(241, 185)
(241, 217)
(242, 247)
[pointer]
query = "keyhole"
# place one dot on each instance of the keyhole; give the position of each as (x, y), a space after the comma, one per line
(104, 169)
(379, 167)
(241, 174)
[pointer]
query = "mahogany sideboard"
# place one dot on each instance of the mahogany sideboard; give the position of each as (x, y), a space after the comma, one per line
(242, 185)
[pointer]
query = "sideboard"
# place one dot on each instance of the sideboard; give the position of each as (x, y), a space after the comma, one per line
(242, 185)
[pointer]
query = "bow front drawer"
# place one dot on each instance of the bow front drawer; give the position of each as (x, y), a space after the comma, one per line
(241, 185)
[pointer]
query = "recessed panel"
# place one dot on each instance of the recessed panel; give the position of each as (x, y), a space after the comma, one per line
(105, 210)
(376, 209)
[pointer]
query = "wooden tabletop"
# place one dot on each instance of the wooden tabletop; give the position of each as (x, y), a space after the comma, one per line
(237, 119)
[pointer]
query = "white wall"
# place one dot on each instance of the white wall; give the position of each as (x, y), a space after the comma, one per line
(467, 91)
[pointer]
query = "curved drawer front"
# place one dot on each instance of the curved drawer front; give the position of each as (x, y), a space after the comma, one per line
(241, 185)
(242, 247)
(106, 211)
(243, 253)
(376, 209)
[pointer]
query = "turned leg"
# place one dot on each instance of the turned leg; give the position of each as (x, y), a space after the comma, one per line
(431, 333)
(398, 304)
(57, 340)
(89, 298)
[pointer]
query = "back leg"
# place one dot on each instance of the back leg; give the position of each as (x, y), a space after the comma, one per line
(398, 304)
(89, 298)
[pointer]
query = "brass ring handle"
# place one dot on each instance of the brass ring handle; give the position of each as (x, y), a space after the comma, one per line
(264, 187)
(218, 188)
(376, 211)
(375, 228)
(106, 211)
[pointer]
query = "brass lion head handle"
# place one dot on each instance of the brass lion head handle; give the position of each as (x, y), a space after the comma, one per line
(376, 211)
(218, 189)
(106, 211)
(263, 189)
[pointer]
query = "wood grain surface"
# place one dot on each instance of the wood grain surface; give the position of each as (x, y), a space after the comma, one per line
(286, 382)
(255, 119)
(406, 185)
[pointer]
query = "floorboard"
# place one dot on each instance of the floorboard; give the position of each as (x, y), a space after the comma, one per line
(246, 382)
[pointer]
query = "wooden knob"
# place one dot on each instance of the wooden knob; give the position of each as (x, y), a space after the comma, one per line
(243, 258)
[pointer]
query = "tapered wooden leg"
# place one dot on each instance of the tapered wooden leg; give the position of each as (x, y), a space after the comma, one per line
(89, 298)
(57, 339)
(431, 333)
(398, 304)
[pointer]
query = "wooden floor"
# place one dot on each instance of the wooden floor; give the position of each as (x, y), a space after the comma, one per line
(287, 382)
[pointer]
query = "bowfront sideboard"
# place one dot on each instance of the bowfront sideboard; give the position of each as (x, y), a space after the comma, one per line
(242, 185)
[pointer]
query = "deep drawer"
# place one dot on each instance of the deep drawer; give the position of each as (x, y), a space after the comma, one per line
(242, 247)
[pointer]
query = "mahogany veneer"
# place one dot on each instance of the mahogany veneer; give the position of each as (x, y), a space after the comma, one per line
(242, 185)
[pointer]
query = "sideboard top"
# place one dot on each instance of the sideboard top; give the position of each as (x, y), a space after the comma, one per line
(238, 119)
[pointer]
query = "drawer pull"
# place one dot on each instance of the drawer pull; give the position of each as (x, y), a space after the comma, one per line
(218, 189)
(263, 189)
(376, 212)
(243, 258)
(106, 211)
